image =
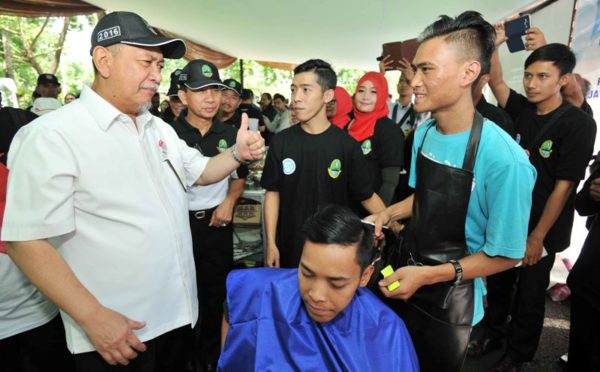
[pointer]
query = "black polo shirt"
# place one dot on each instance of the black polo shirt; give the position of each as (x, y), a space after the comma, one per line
(216, 140)
(310, 171)
(235, 120)
(563, 153)
(252, 113)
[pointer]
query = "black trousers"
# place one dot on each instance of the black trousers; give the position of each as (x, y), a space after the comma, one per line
(213, 256)
(584, 336)
(519, 292)
(40, 349)
(168, 352)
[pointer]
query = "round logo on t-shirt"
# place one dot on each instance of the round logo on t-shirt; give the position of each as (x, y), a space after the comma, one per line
(289, 166)
(546, 149)
(366, 147)
(335, 169)
(222, 145)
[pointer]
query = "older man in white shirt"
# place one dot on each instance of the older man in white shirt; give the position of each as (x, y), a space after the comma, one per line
(96, 213)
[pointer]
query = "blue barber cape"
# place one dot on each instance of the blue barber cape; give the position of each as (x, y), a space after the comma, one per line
(270, 330)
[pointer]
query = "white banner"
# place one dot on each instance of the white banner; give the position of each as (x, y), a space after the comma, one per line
(586, 46)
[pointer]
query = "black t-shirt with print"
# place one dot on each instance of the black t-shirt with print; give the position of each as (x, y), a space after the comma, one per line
(562, 153)
(384, 149)
(497, 115)
(216, 140)
(310, 171)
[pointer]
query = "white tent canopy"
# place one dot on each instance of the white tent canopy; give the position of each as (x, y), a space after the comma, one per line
(347, 33)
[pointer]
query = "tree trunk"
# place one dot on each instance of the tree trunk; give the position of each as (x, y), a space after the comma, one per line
(60, 45)
(30, 46)
(8, 62)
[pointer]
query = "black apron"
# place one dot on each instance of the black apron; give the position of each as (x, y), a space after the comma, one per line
(439, 316)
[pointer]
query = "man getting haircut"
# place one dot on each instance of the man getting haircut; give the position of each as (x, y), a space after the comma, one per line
(317, 316)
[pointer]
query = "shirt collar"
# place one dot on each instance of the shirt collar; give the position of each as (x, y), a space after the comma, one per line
(106, 114)
(216, 126)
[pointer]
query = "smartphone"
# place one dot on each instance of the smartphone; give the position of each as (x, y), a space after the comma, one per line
(394, 50)
(514, 30)
(399, 50)
(517, 27)
(515, 44)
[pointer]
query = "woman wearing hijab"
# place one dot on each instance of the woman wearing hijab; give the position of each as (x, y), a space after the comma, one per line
(381, 140)
(339, 108)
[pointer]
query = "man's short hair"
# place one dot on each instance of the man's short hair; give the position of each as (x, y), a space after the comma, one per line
(336, 224)
(559, 54)
(326, 77)
(279, 96)
(247, 94)
(474, 36)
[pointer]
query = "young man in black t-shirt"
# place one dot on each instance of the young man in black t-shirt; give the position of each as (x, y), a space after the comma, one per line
(559, 140)
(309, 166)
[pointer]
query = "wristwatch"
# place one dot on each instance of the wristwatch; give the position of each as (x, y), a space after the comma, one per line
(458, 270)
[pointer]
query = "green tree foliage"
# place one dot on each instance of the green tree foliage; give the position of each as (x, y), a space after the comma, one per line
(34, 45)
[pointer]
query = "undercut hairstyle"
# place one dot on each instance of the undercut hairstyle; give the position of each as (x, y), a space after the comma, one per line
(279, 96)
(326, 77)
(559, 54)
(473, 36)
(336, 224)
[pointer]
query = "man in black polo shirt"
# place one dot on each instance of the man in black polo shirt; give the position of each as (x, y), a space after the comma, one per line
(175, 105)
(211, 207)
(310, 165)
(559, 139)
(230, 102)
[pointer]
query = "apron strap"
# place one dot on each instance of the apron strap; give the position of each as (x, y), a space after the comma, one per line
(473, 144)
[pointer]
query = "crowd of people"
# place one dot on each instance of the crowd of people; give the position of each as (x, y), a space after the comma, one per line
(119, 210)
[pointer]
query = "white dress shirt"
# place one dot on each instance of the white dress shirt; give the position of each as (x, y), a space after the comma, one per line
(110, 196)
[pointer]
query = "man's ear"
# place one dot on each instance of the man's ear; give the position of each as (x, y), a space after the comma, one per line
(329, 95)
(366, 275)
(564, 79)
(103, 60)
(182, 96)
(470, 72)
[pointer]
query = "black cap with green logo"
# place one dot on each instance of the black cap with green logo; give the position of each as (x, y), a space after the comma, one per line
(200, 73)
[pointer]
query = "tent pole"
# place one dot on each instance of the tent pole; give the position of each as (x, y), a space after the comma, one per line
(242, 72)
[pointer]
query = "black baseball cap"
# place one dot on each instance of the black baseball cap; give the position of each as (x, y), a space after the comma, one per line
(233, 85)
(174, 84)
(200, 73)
(131, 29)
(47, 79)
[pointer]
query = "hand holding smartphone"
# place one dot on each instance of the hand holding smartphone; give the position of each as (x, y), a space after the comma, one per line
(514, 31)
